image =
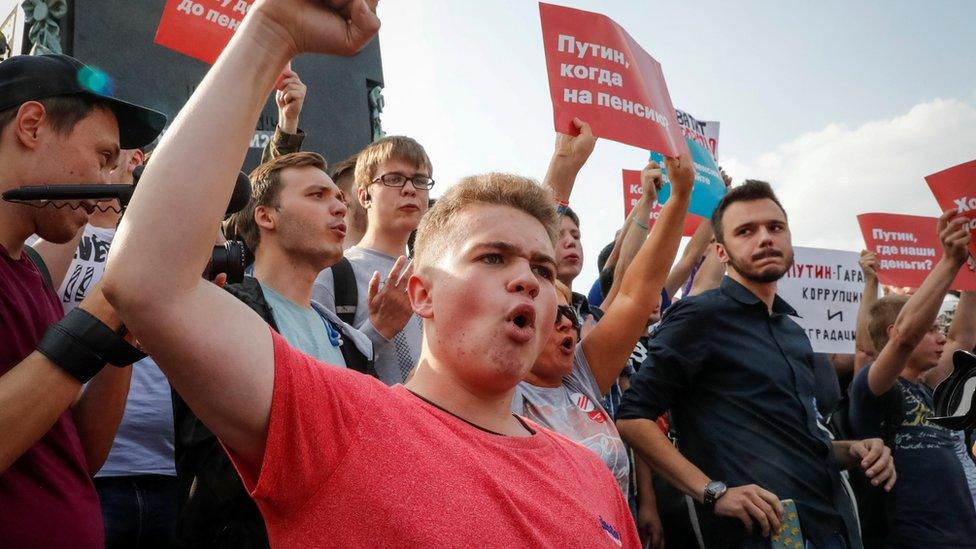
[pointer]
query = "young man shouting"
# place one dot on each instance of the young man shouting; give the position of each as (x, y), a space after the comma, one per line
(334, 457)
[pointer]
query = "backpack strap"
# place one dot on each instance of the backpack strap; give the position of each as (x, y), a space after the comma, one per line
(41, 266)
(346, 291)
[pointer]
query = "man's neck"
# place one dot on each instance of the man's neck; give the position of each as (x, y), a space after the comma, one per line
(15, 226)
(490, 412)
(911, 372)
(104, 220)
(765, 291)
(389, 242)
(292, 280)
(14, 230)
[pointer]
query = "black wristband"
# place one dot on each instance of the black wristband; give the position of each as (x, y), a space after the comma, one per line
(80, 344)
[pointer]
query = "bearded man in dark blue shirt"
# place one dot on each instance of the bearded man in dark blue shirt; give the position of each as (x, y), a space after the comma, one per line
(737, 374)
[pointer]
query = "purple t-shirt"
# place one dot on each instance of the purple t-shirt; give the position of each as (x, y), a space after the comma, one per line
(47, 498)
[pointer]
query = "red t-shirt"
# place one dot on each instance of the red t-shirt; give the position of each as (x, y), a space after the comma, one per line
(47, 498)
(350, 462)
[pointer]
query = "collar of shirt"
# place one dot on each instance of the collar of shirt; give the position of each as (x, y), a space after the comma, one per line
(744, 296)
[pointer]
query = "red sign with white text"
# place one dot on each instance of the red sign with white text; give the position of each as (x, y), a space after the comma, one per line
(907, 247)
(599, 74)
(200, 29)
(956, 188)
(632, 193)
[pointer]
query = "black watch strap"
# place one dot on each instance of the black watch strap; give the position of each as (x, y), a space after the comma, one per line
(80, 344)
(714, 490)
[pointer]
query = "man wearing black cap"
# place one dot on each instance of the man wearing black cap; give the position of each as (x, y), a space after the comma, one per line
(58, 125)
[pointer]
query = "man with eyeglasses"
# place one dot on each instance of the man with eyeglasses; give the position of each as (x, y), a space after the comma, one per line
(393, 180)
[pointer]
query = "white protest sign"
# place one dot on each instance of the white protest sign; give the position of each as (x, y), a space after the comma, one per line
(824, 286)
(704, 132)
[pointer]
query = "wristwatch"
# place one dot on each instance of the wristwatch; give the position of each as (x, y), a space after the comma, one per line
(713, 491)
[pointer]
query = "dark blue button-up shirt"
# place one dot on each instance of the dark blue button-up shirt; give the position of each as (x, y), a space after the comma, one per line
(739, 383)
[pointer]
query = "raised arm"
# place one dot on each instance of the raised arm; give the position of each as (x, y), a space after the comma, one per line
(692, 255)
(962, 335)
(215, 351)
(919, 313)
(864, 350)
(635, 232)
(709, 274)
(567, 160)
(610, 343)
(289, 97)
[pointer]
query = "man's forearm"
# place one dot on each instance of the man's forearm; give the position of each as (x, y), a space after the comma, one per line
(33, 394)
(842, 454)
(863, 345)
(692, 255)
(230, 97)
(98, 413)
(646, 438)
(634, 237)
(560, 179)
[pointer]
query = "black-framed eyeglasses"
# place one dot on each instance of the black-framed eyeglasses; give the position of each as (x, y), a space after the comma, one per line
(420, 181)
(570, 313)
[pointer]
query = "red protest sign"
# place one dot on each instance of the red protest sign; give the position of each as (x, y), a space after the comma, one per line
(598, 73)
(632, 193)
(200, 29)
(956, 188)
(907, 247)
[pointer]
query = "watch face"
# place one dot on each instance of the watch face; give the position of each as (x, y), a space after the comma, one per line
(714, 489)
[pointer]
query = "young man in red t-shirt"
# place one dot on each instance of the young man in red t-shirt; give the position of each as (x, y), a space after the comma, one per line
(335, 458)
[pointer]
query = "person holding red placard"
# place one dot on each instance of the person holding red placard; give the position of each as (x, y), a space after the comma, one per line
(931, 505)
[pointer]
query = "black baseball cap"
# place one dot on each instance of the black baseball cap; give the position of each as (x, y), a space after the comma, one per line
(33, 77)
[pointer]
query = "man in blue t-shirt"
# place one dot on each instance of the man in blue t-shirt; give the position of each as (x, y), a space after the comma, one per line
(930, 505)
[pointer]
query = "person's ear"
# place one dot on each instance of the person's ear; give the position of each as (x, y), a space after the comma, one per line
(30, 120)
(421, 295)
(721, 253)
(137, 159)
(264, 218)
(363, 194)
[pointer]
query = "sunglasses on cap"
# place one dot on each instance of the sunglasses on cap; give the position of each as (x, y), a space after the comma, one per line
(570, 313)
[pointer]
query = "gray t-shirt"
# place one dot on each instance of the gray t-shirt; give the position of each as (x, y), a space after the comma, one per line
(143, 444)
(304, 329)
(575, 410)
(394, 359)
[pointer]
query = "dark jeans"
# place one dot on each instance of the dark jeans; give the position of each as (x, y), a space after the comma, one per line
(138, 511)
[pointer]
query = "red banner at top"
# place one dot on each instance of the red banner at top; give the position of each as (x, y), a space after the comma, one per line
(598, 73)
(200, 29)
(956, 188)
(632, 193)
(907, 247)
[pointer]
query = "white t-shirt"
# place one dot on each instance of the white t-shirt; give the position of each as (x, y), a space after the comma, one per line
(575, 410)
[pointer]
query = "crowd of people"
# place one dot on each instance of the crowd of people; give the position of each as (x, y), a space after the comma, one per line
(398, 371)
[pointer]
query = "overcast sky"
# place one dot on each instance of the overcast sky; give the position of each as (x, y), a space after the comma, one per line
(844, 108)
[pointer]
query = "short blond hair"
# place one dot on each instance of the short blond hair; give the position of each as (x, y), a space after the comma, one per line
(438, 230)
(399, 147)
(884, 313)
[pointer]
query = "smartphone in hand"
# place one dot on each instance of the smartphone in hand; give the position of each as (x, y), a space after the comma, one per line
(790, 536)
